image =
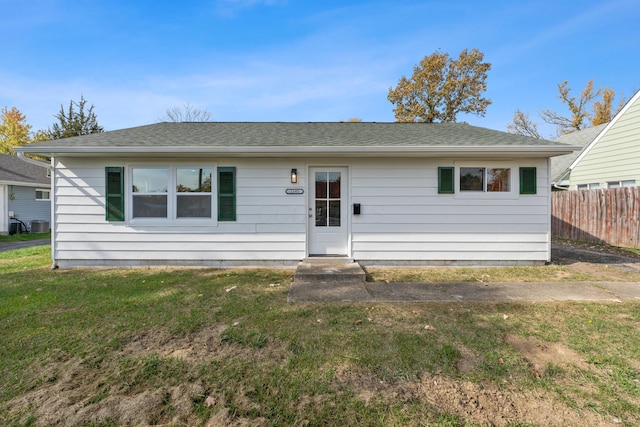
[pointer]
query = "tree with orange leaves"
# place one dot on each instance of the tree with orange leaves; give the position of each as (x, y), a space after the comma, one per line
(441, 87)
(14, 131)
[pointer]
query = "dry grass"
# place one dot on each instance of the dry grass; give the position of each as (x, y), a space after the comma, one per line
(223, 347)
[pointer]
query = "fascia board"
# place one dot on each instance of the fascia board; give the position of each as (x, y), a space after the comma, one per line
(26, 184)
(285, 151)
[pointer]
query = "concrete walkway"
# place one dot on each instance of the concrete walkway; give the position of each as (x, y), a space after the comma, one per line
(464, 291)
(334, 280)
(326, 279)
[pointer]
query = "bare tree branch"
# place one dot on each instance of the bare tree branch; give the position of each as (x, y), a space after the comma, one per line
(186, 113)
(522, 125)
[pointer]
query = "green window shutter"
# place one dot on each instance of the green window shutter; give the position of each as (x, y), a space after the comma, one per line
(528, 181)
(114, 194)
(226, 194)
(446, 180)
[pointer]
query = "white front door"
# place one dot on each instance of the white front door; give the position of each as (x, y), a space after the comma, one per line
(328, 211)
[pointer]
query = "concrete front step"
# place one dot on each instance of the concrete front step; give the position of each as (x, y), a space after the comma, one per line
(329, 269)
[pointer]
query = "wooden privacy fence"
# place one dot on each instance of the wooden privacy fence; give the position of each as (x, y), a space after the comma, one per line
(597, 216)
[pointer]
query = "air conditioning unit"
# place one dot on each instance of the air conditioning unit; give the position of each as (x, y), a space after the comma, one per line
(38, 226)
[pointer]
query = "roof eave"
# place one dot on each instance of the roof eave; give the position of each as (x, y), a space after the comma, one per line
(25, 184)
(312, 151)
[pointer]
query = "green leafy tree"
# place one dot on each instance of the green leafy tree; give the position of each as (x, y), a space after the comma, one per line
(441, 87)
(75, 122)
(40, 135)
(14, 131)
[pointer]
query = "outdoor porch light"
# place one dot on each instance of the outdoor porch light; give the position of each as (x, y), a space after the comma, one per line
(294, 176)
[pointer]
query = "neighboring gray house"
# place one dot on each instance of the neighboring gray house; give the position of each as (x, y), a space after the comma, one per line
(560, 172)
(24, 194)
(612, 158)
(226, 194)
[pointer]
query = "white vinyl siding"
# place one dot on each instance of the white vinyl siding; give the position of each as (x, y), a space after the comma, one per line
(270, 225)
(616, 155)
(403, 218)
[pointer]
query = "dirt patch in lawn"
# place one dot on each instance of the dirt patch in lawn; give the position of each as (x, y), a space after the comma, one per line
(80, 392)
(542, 355)
(476, 403)
(98, 391)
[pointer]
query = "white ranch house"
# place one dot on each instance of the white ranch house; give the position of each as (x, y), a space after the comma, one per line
(227, 194)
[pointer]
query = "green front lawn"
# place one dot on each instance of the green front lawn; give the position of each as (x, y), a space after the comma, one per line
(191, 346)
(24, 236)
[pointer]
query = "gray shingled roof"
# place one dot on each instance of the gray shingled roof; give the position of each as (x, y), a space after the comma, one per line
(582, 138)
(14, 170)
(203, 137)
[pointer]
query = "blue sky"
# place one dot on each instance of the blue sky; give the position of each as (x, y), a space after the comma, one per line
(295, 60)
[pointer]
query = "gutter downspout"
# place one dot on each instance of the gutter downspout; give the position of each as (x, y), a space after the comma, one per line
(561, 178)
(50, 168)
(40, 163)
(559, 187)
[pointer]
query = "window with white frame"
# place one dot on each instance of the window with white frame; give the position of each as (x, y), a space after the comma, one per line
(176, 192)
(618, 184)
(171, 193)
(150, 188)
(193, 192)
(591, 186)
(43, 194)
(483, 179)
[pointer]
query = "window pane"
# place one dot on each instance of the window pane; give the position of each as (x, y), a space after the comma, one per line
(334, 213)
(150, 180)
(194, 206)
(499, 179)
(321, 185)
(613, 184)
(321, 213)
(471, 179)
(193, 180)
(334, 185)
(628, 183)
(149, 206)
(42, 195)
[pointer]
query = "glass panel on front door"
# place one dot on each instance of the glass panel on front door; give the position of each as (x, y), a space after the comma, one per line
(327, 199)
